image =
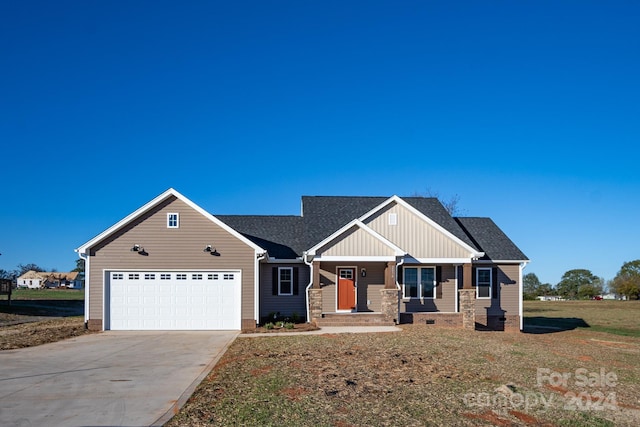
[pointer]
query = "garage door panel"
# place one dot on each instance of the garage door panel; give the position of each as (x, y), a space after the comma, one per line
(180, 301)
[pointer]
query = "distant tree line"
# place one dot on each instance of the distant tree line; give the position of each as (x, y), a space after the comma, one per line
(23, 268)
(582, 284)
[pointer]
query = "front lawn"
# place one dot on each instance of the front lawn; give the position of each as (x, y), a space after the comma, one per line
(426, 376)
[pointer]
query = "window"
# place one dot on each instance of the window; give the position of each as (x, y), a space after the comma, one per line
(196, 276)
(115, 276)
(227, 277)
(285, 281)
(165, 276)
(483, 283)
(134, 276)
(173, 220)
(181, 277)
(393, 219)
(149, 276)
(419, 282)
(212, 277)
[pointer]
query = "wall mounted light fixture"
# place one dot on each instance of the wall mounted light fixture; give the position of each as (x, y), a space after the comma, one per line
(211, 250)
(139, 249)
(363, 272)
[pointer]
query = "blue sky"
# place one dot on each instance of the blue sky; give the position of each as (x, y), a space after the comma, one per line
(529, 111)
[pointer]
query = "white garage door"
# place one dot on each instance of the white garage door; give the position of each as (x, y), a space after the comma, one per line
(168, 300)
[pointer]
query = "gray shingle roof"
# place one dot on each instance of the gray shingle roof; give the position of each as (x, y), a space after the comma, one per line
(490, 239)
(286, 237)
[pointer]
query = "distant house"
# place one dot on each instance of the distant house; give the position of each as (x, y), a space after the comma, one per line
(613, 296)
(550, 298)
(344, 260)
(42, 279)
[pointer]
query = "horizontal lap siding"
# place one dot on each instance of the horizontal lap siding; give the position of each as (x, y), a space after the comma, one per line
(413, 234)
(446, 304)
(286, 305)
(174, 249)
(369, 287)
(508, 302)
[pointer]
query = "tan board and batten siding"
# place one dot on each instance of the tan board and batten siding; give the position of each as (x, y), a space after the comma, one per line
(171, 248)
(355, 242)
(419, 238)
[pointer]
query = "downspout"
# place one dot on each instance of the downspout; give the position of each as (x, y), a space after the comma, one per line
(306, 290)
(398, 265)
(520, 311)
(457, 301)
(86, 287)
(256, 286)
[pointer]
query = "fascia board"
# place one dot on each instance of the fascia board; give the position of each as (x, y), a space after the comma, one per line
(473, 252)
(364, 227)
(170, 192)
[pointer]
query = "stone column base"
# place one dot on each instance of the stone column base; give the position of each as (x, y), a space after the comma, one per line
(390, 304)
(468, 308)
(315, 305)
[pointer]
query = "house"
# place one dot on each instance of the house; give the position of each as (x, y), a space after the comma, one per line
(172, 265)
(550, 298)
(42, 279)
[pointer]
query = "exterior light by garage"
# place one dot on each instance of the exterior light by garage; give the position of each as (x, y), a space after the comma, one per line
(211, 250)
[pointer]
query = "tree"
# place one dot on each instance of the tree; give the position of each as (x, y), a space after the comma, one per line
(79, 265)
(5, 274)
(627, 281)
(450, 205)
(530, 286)
(579, 283)
(23, 268)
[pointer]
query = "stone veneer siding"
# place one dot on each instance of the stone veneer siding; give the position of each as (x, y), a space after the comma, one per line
(468, 308)
(390, 304)
(315, 305)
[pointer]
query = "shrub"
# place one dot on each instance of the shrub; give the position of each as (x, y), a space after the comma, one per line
(269, 325)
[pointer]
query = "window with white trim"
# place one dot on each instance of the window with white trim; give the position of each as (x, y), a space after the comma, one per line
(173, 220)
(285, 280)
(227, 276)
(196, 276)
(117, 276)
(419, 282)
(483, 283)
(149, 276)
(134, 276)
(212, 277)
(181, 277)
(165, 276)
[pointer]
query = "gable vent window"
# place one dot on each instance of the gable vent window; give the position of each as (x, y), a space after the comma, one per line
(393, 219)
(173, 220)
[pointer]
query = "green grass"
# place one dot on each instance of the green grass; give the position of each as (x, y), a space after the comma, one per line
(613, 317)
(47, 294)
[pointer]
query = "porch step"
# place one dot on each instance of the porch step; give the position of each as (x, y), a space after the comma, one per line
(353, 319)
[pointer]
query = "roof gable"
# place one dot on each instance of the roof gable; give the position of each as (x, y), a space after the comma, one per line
(355, 236)
(152, 204)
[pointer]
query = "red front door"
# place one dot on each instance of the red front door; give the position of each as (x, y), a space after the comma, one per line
(346, 289)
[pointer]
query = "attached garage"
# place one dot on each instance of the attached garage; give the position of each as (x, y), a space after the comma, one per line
(173, 300)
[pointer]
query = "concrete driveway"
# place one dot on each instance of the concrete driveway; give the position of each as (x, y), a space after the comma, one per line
(106, 379)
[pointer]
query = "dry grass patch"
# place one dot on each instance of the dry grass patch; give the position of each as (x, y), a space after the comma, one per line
(420, 376)
(43, 332)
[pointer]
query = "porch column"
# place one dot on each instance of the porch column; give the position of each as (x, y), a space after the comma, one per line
(468, 308)
(467, 276)
(390, 304)
(315, 295)
(390, 275)
(316, 275)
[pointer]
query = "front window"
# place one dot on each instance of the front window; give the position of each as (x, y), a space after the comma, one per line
(173, 220)
(419, 282)
(285, 281)
(483, 283)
